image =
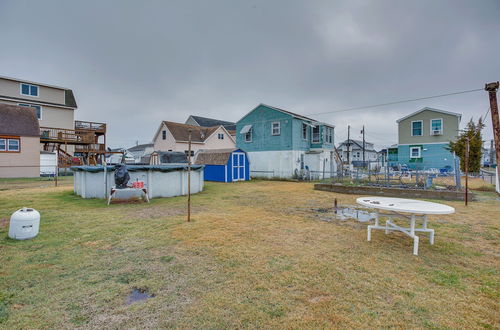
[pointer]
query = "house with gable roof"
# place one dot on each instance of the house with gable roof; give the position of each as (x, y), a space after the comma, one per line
(283, 144)
(171, 136)
(423, 138)
(19, 142)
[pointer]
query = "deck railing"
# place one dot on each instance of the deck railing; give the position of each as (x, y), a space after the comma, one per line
(90, 125)
(64, 135)
(93, 147)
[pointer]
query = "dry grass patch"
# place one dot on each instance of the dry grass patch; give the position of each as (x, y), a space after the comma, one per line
(255, 255)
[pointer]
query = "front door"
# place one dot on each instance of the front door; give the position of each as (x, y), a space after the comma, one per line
(238, 166)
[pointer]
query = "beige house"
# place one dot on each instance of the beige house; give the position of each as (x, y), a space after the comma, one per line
(172, 136)
(19, 142)
(54, 105)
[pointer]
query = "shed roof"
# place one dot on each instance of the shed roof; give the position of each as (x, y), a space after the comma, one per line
(214, 156)
(17, 120)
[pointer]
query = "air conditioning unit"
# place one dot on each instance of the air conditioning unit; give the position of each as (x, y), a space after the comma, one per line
(436, 132)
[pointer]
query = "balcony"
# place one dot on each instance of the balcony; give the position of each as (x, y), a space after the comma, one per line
(90, 126)
(67, 136)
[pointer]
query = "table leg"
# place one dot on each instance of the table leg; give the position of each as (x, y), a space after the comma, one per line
(412, 234)
(111, 196)
(369, 228)
(415, 245)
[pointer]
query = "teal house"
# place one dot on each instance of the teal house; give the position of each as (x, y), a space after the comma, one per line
(423, 137)
(283, 144)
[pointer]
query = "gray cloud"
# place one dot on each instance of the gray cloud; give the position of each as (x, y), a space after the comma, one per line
(133, 64)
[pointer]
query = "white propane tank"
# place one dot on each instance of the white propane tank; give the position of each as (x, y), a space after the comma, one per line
(24, 223)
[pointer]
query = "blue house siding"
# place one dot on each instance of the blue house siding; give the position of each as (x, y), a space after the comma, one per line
(261, 119)
(290, 137)
(433, 156)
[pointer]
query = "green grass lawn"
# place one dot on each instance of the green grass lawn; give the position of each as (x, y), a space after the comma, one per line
(255, 255)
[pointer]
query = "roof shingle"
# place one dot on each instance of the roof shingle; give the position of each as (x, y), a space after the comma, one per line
(181, 131)
(17, 120)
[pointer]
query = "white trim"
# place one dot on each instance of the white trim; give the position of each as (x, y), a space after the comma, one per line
(18, 144)
(225, 130)
(419, 152)
(31, 82)
(302, 132)
(272, 128)
(251, 136)
(430, 128)
(32, 106)
(225, 173)
(421, 127)
(29, 87)
(430, 109)
(319, 134)
(37, 102)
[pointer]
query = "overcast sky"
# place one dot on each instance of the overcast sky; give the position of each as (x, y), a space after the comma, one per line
(134, 63)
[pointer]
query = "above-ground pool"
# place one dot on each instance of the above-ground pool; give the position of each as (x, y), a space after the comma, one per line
(160, 180)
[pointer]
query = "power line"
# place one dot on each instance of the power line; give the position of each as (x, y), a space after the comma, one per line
(395, 102)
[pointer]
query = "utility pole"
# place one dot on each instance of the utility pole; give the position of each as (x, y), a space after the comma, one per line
(348, 145)
(363, 131)
(492, 153)
(467, 171)
(492, 88)
(189, 176)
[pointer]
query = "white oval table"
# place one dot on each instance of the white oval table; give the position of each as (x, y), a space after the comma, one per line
(396, 206)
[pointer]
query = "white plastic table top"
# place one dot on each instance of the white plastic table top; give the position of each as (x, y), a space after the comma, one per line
(405, 205)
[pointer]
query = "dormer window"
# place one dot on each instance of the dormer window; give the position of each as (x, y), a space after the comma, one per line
(220, 136)
(29, 90)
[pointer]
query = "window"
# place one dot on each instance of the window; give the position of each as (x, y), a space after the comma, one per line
(164, 135)
(437, 126)
(30, 90)
(329, 135)
(275, 128)
(248, 136)
(10, 144)
(315, 134)
(416, 128)
(38, 109)
(415, 152)
(304, 131)
(187, 152)
(220, 136)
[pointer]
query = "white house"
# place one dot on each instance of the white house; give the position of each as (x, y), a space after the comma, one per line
(172, 136)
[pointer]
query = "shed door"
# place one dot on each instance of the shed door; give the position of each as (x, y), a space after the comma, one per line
(238, 166)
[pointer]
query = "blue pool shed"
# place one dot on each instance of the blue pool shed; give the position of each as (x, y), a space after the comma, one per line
(224, 165)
